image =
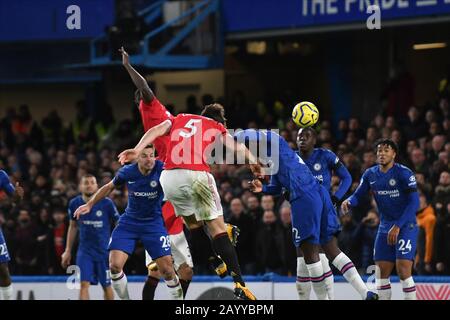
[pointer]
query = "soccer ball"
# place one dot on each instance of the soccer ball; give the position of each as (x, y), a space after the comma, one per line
(305, 114)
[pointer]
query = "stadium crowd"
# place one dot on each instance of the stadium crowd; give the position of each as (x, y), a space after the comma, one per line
(48, 159)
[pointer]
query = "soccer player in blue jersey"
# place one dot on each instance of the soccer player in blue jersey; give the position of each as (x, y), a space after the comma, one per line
(395, 190)
(95, 230)
(142, 220)
(322, 163)
(314, 219)
(16, 192)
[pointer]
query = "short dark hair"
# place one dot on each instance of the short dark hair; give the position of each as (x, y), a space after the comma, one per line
(87, 175)
(214, 111)
(386, 142)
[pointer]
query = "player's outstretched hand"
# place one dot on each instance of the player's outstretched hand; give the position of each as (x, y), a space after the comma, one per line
(257, 170)
(84, 209)
(125, 57)
(392, 235)
(345, 207)
(65, 259)
(256, 185)
(128, 155)
(19, 191)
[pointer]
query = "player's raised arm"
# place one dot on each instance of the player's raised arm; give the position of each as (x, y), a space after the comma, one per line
(138, 80)
(102, 193)
(354, 199)
(148, 138)
(242, 151)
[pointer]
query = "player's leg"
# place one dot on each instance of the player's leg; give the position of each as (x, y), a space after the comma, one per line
(153, 276)
(182, 259)
(306, 218)
(384, 257)
(383, 280)
(121, 246)
(6, 288)
(87, 274)
(405, 254)
(84, 290)
(177, 187)
(103, 275)
(404, 268)
(167, 271)
(117, 260)
(303, 282)
(343, 263)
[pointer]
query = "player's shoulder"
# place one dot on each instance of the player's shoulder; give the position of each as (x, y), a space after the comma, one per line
(403, 170)
(371, 170)
(75, 200)
(325, 152)
(128, 168)
(3, 174)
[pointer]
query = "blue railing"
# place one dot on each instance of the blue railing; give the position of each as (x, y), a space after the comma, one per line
(264, 278)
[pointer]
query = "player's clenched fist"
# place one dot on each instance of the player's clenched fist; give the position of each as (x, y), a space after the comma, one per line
(345, 206)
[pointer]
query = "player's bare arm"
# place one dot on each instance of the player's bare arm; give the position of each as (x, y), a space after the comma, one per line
(71, 236)
(102, 193)
(131, 154)
(241, 150)
(138, 80)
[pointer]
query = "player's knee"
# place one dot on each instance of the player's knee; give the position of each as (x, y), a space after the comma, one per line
(404, 271)
(84, 285)
(4, 273)
(166, 270)
(114, 267)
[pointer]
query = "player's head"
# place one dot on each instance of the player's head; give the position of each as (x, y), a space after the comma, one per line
(146, 159)
(306, 139)
(216, 112)
(386, 150)
(88, 185)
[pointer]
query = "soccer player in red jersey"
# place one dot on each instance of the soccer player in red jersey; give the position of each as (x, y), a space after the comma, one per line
(153, 113)
(188, 183)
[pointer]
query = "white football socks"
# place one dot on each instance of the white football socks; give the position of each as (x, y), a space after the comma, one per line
(6, 293)
(303, 282)
(174, 287)
(348, 270)
(318, 280)
(409, 288)
(329, 278)
(119, 283)
(384, 289)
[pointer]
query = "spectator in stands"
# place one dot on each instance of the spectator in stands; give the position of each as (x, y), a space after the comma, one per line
(418, 161)
(269, 245)
(365, 234)
(267, 203)
(442, 241)
(346, 239)
(57, 240)
(254, 210)
(426, 220)
(289, 253)
(246, 243)
(414, 127)
(26, 244)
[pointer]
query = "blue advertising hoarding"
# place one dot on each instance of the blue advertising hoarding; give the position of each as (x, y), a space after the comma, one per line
(249, 15)
(24, 20)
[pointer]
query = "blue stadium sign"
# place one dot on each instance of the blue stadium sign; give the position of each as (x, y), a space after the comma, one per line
(248, 15)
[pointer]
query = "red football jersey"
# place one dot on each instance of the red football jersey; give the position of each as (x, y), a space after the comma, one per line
(189, 137)
(153, 114)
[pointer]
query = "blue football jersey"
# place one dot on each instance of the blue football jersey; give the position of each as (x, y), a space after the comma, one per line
(395, 194)
(291, 172)
(5, 183)
(145, 194)
(322, 163)
(94, 227)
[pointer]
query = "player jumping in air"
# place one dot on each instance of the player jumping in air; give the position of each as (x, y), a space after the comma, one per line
(6, 288)
(314, 219)
(395, 191)
(322, 162)
(142, 220)
(95, 230)
(153, 113)
(189, 185)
